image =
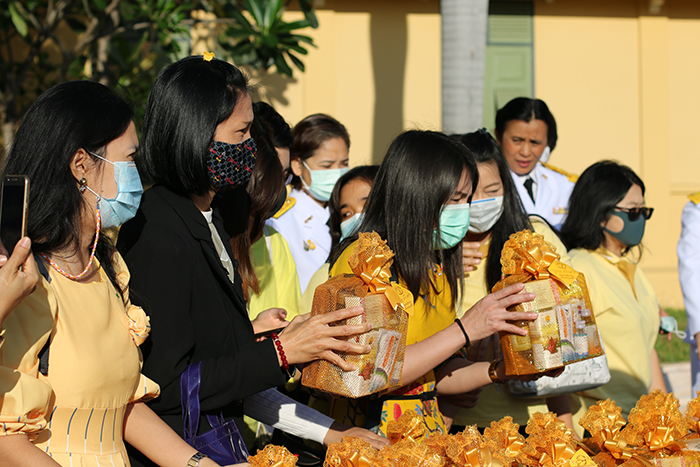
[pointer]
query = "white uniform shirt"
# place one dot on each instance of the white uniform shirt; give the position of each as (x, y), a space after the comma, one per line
(305, 228)
(689, 274)
(552, 191)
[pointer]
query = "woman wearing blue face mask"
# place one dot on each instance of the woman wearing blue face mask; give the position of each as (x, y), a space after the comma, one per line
(319, 157)
(495, 213)
(419, 204)
(607, 218)
(70, 364)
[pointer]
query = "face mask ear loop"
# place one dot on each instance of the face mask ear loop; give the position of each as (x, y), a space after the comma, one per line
(301, 177)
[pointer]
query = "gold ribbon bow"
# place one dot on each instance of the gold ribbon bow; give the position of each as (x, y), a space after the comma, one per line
(536, 262)
(562, 453)
(377, 275)
(611, 436)
(358, 460)
(207, 56)
(513, 446)
(661, 438)
(480, 457)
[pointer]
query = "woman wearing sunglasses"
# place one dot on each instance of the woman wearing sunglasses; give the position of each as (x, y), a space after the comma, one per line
(607, 216)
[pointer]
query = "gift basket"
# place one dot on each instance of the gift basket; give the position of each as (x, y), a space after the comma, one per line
(385, 306)
(564, 331)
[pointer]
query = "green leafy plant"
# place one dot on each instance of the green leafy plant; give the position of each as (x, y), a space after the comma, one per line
(267, 40)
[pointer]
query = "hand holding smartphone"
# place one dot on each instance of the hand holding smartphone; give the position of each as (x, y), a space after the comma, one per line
(14, 198)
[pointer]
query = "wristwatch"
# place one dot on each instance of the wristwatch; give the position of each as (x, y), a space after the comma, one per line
(194, 460)
(492, 372)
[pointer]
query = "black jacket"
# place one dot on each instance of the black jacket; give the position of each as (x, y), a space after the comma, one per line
(196, 313)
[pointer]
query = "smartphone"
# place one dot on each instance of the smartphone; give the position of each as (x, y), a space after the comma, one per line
(14, 197)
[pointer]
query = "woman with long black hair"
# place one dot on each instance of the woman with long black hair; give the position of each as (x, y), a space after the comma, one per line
(495, 214)
(419, 204)
(70, 365)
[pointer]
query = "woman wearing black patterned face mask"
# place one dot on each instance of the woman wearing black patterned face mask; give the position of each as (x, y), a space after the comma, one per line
(197, 144)
(496, 213)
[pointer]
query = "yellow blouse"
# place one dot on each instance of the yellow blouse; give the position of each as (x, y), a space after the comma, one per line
(628, 321)
(495, 401)
(76, 413)
(277, 275)
(430, 315)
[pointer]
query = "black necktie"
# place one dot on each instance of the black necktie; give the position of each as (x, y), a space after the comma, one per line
(528, 186)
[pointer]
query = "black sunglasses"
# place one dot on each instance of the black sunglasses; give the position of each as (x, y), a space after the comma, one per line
(634, 213)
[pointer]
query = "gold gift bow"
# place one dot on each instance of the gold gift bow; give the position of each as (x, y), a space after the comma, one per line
(562, 453)
(480, 457)
(358, 460)
(612, 442)
(662, 438)
(513, 446)
(536, 263)
(377, 275)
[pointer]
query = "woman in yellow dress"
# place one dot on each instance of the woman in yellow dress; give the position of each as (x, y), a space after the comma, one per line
(607, 219)
(70, 365)
(419, 204)
(496, 213)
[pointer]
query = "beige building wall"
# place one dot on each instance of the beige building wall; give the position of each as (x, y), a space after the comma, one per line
(621, 81)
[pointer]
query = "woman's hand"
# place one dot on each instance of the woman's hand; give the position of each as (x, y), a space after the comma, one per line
(310, 338)
(270, 319)
(490, 314)
(471, 256)
(338, 431)
(18, 277)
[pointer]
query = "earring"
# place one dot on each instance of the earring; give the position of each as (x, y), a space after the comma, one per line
(83, 184)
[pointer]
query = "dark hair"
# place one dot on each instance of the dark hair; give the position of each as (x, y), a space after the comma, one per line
(513, 218)
(64, 119)
(366, 173)
(263, 190)
(525, 109)
(420, 173)
(190, 98)
(596, 193)
(274, 125)
(311, 133)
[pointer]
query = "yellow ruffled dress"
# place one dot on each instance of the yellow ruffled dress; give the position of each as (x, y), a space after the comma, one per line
(76, 413)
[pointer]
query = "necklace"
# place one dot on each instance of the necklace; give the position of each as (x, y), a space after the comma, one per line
(70, 274)
(65, 261)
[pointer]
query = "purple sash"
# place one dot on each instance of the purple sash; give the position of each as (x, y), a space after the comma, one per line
(223, 443)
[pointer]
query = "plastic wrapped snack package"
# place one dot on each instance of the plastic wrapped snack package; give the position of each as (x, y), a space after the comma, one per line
(386, 307)
(565, 330)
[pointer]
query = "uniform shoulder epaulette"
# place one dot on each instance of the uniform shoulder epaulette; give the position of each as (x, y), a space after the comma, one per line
(695, 197)
(288, 203)
(572, 177)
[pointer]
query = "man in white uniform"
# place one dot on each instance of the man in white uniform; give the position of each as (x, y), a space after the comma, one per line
(527, 133)
(689, 273)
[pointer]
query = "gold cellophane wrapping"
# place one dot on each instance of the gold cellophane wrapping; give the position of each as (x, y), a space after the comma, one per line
(370, 288)
(408, 426)
(408, 453)
(692, 414)
(565, 330)
(504, 440)
(550, 443)
(656, 425)
(273, 456)
(604, 422)
(354, 452)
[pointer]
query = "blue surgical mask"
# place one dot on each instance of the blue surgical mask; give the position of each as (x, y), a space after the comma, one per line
(116, 211)
(632, 232)
(454, 223)
(350, 225)
(322, 182)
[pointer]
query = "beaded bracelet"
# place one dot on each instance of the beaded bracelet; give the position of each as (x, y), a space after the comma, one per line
(280, 350)
(466, 337)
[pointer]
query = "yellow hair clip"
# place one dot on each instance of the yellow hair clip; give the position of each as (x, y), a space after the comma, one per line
(208, 56)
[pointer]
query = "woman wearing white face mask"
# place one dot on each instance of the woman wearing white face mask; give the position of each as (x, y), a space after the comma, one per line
(496, 213)
(319, 157)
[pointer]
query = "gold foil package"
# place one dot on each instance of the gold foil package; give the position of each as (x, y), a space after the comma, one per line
(385, 305)
(273, 456)
(564, 331)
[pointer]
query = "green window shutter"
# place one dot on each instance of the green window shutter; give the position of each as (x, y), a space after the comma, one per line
(509, 56)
